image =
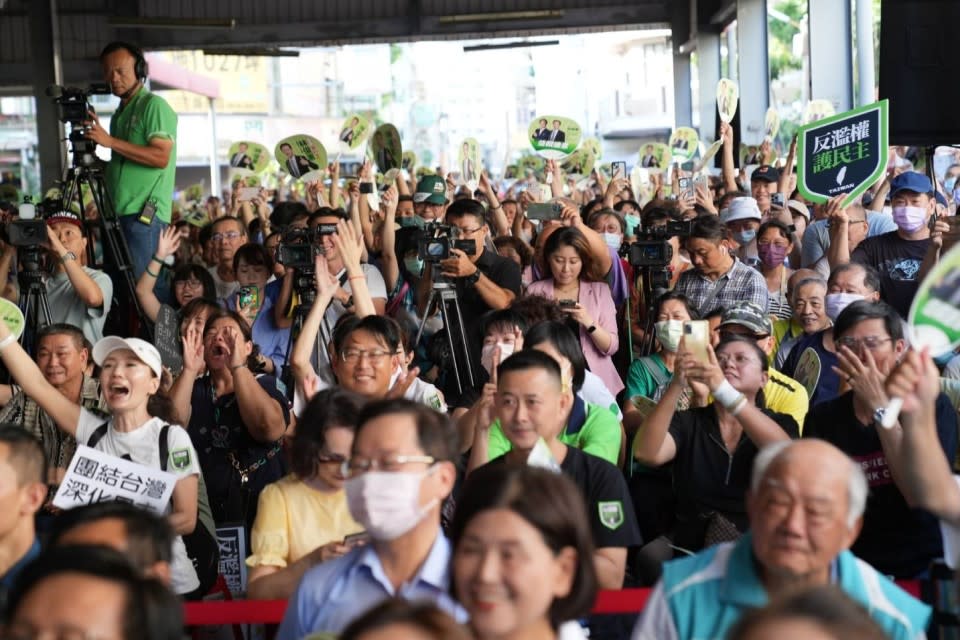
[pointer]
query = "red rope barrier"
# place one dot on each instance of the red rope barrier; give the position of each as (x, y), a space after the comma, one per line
(271, 611)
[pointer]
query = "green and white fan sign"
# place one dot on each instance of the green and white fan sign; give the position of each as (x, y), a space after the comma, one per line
(934, 319)
(12, 317)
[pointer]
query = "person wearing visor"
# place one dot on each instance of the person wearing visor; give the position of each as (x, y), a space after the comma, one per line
(129, 375)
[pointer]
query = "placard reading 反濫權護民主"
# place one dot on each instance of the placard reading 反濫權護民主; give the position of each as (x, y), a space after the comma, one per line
(843, 154)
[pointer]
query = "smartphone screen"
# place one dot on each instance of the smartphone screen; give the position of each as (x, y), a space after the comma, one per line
(696, 337)
(245, 194)
(249, 296)
(618, 170)
(686, 188)
(544, 211)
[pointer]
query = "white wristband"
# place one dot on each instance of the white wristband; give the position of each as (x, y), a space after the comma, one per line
(725, 394)
(6, 342)
(741, 403)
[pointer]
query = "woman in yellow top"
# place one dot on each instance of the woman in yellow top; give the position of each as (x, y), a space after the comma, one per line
(303, 519)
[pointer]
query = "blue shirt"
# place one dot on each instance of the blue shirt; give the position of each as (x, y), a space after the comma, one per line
(333, 594)
(271, 339)
(702, 596)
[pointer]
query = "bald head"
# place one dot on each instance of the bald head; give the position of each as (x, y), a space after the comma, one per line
(808, 459)
(805, 505)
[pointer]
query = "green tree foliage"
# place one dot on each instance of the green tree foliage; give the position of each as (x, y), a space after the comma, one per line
(780, 36)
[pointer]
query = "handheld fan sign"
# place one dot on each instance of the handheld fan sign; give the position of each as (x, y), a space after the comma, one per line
(934, 319)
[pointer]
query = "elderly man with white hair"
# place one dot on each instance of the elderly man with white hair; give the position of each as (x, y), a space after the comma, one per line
(805, 506)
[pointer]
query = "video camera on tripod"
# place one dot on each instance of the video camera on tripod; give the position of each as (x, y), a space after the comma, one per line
(297, 249)
(653, 249)
(436, 239)
(75, 109)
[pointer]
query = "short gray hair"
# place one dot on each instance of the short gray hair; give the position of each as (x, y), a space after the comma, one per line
(857, 487)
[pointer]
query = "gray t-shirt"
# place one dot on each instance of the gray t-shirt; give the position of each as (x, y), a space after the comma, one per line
(66, 306)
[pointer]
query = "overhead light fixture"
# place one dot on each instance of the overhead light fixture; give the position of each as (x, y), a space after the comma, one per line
(519, 44)
(247, 51)
(135, 22)
(503, 16)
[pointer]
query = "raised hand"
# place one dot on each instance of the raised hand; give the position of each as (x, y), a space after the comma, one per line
(168, 243)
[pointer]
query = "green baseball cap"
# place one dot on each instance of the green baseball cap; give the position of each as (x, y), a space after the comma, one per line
(431, 189)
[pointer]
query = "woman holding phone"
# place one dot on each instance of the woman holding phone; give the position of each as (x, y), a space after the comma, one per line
(585, 297)
(712, 448)
(253, 265)
(302, 519)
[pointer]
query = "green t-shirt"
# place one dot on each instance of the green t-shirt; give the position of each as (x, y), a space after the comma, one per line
(600, 435)
(130, 183)
(642, 380)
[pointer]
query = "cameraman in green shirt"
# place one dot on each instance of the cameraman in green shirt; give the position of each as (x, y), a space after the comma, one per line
(142, 138)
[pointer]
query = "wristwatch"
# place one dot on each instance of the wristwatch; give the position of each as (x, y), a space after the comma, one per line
(69, 255)
(878, 415)
(591, 328)
(473, 278)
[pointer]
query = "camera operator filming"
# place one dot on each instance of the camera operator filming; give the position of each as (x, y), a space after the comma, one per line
(142, 139)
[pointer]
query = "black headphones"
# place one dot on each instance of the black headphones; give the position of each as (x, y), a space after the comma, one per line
(140, 67)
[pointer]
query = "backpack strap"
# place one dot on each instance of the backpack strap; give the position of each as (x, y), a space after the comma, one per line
(164, 447)
(97, 435)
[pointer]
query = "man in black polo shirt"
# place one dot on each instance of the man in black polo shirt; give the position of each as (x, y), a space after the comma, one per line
(533, 403)
(896, 539)
(900, 255)
(483, 279)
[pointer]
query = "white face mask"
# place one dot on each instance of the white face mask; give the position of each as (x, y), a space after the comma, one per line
(387, 503)
(834, 303)
(669, 333)
(613, 240)
(486, 354)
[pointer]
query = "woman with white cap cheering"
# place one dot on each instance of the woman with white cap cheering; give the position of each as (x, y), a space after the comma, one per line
(130, 374)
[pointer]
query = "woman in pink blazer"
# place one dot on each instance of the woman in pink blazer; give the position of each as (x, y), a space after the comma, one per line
(585, 297)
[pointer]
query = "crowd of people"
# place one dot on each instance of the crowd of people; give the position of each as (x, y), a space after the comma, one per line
(385, 485)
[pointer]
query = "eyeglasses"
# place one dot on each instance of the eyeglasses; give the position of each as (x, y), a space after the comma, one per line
(193, 284)
(356, 466)
(332, 458)
(229, 235)
(870, 343)
(738, 360)
(352, 356)
(469, 232)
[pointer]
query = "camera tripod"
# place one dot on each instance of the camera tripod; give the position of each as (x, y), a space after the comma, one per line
(444, 295)
(33, 296)
(654, 282)
(83, 173)
(320, 356)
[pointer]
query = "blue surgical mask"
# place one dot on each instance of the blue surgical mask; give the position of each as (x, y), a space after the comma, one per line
(414, 265)
(745, 237)
(632, 223)
(410, 221)
(950, 183)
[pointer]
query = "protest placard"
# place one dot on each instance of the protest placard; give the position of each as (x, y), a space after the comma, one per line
(94, 476)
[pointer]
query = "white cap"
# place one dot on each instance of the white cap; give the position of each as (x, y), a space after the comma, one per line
(798, 207)
(742, 208)
(147, 353)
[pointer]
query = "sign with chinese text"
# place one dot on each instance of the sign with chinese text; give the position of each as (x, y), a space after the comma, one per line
(843, 154)
(95, 476)
(233, 555)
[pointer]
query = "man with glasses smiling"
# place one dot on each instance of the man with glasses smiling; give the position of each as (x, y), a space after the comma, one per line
(229, 234)
(399, 474)
(896, 539)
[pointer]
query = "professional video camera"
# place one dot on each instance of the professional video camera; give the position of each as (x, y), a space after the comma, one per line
(435, 241)
(653, 249)
(297, 249)
(75, 109)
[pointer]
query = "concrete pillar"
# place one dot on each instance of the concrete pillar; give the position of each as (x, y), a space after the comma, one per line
(753, 68)
(214, 160)
(831, 54)
(682, 92)
(45, 52)
(708, 59)
(866, 92)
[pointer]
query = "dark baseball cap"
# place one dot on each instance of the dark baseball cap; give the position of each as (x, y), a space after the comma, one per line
(766, 173)
(749, 315)
(64, 216)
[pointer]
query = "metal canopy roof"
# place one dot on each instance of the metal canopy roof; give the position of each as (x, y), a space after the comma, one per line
(241, 25)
